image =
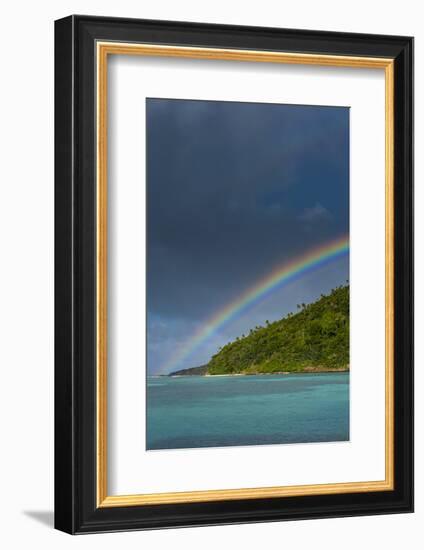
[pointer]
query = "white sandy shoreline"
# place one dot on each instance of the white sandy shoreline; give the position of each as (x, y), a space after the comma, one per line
(335, 371)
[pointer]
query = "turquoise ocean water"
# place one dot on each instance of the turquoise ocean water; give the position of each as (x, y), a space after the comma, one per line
(199, 411)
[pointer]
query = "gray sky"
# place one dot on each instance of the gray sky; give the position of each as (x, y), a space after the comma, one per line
(234, 190)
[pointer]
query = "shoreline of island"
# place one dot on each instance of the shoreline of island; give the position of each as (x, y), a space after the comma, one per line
(279, 373)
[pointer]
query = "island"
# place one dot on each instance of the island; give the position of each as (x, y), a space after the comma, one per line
(314, 339)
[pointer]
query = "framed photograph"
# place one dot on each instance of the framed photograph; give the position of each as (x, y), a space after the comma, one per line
(233, 274)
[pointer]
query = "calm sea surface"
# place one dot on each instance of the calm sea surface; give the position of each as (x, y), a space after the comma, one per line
(198, 411)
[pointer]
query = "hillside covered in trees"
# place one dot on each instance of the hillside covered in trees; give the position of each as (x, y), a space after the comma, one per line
(314, 339)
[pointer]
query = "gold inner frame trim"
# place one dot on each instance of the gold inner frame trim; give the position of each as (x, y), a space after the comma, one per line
(103, 50)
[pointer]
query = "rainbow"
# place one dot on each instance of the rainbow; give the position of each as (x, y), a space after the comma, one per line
(279, 276)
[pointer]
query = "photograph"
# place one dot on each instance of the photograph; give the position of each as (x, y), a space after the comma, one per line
(233, 272)
(210, 298)
(247, 273)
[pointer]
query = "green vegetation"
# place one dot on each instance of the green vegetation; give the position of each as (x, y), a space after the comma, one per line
(193, 371)
(314, 339)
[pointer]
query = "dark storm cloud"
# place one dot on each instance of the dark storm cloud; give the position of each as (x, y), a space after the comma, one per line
(233, 190)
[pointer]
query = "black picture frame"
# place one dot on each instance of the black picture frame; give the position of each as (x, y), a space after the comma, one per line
(76, 509)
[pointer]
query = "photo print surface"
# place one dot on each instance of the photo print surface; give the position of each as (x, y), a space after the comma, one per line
(247, 274)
